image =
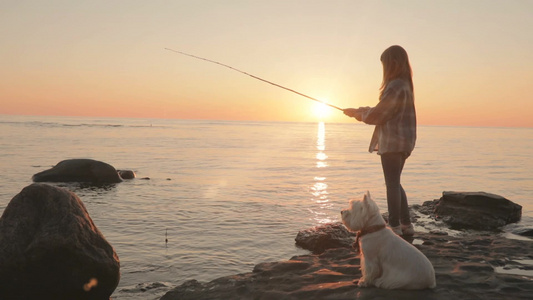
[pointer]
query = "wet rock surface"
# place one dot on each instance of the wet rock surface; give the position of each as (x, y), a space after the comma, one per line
(468, 267)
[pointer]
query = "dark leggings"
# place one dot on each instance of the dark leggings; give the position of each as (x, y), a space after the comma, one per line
(392, 164)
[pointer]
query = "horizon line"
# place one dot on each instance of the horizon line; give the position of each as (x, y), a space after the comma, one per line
(258, 121)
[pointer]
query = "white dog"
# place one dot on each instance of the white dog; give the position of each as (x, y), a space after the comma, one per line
(387, 260)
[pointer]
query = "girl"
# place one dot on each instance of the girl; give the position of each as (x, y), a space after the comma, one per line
(395, 132)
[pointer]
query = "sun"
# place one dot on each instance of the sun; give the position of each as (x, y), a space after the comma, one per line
(321, 110)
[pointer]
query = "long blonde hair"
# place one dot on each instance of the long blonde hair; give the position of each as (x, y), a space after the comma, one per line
(395, 66)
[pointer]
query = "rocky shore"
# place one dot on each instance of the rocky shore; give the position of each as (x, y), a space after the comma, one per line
(487, 266)
(471, 265)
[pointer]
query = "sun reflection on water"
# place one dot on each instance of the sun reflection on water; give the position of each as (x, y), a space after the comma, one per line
(319, 189)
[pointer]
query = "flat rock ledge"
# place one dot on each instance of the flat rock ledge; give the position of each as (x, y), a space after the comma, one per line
(473, 267)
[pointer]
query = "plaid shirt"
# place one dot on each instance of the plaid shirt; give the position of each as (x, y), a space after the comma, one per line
(395, 120)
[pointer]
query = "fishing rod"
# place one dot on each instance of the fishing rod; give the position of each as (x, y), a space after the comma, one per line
(253, 76)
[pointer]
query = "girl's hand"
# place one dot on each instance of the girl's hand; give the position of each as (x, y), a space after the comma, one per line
(353, 112)
(350, 112)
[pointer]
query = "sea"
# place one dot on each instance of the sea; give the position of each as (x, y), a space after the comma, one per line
(215, 198)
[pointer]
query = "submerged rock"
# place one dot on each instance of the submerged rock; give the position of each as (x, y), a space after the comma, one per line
(51, 249)
(84, 170)
(79, 170)
(126, 174)
(524, 232)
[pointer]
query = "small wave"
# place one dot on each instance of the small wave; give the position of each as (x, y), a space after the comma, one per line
(93, 125)
(43, 124)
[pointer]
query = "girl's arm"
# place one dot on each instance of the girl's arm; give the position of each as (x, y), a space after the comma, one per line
(387, 106)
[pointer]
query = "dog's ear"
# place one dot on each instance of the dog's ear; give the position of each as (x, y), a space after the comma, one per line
(367, 197)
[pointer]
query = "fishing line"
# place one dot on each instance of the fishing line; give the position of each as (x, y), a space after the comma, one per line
(253, 76)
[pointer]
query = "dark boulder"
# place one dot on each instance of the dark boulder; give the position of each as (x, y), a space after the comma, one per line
(79, 170)
(318, 239)
(51, 249)
(476, 210)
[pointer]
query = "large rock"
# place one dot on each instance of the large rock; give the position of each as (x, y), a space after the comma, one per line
(79, 170)
(320, 238)
(476, 210)
(51, 249)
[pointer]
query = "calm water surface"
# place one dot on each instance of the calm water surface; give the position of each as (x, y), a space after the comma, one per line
(229, 195)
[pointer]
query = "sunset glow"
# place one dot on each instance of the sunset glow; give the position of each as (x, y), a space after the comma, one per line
(101, 58)
(321, 110)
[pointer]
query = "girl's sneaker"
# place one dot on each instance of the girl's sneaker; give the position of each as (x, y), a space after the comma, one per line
(396, 229)
(408, 230)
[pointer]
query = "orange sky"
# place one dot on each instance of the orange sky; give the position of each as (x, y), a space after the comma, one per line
(472, 60)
